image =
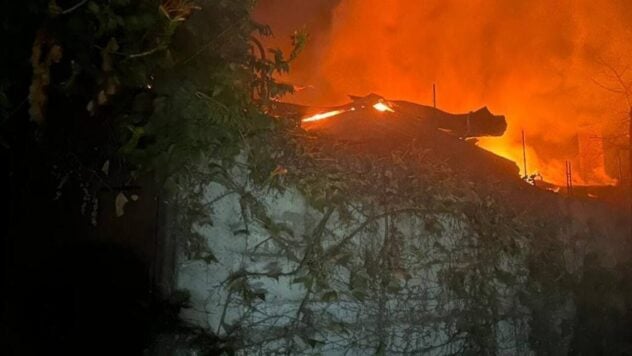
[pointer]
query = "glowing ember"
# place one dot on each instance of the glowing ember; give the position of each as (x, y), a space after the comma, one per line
(382, 107)
(324, 115)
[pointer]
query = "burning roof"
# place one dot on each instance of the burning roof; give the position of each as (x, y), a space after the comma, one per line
(373, 122)
(539, 70)
(473, 124)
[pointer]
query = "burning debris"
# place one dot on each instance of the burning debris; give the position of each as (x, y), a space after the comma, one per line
(375, 101)
(373, 123)
(382, 107)
(373, 118)
(324, 115)
(473, 124)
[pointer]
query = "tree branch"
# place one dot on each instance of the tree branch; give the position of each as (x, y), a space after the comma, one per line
(74, 7)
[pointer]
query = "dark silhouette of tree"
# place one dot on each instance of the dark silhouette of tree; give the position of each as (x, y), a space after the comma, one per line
(618, 84)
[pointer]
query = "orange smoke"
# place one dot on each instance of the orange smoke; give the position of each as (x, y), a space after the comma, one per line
(535, 62)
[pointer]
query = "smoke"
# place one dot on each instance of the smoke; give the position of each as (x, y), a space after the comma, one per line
(537, 62)
(287, 16)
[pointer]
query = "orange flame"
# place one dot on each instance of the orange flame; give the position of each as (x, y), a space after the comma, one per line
(324, 115)
(534, 69)
(382, 107)
(379, 106)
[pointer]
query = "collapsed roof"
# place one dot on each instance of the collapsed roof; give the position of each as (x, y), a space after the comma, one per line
(473, 124)
(373, 123)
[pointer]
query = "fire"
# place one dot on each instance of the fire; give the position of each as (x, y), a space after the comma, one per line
(552, 171)
(324, 115)
(382, 107)
(379, 106)
(539, 71)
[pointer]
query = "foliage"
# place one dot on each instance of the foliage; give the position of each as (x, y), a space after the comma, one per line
(97, 96)
(505, 264)
(123, 89)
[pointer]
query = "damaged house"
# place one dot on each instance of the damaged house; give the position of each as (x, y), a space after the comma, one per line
(394, 233)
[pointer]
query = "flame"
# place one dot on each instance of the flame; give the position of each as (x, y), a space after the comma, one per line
(380, 106)
(539, 71)
(324, 115)
(551, 170)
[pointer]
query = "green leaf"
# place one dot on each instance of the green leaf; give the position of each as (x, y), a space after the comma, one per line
(329, 296)
(93, 7)
(314, 343)
(339, 328)
(381, 349)
(238, 284)
(132, 143)
(308, 281)
(393, 285)
(358, 294)
(260, 293)
(344, 259)
(209, 257)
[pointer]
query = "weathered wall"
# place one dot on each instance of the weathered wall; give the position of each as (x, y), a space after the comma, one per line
(306, 280)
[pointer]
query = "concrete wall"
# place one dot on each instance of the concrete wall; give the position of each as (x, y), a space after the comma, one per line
(402, 283)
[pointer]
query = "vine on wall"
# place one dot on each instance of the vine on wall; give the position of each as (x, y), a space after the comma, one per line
(504, 266)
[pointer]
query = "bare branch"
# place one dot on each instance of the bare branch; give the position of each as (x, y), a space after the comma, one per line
(619, 79)
(74, 7)
(610, 89)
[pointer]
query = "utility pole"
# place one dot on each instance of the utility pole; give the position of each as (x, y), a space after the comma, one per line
(524, 156)
(569, 178)
(630, 163)
(620, 168)
(434, 95)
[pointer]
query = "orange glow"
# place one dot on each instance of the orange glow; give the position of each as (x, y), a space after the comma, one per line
(535, 62)
(382, 107)
(324, 115)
